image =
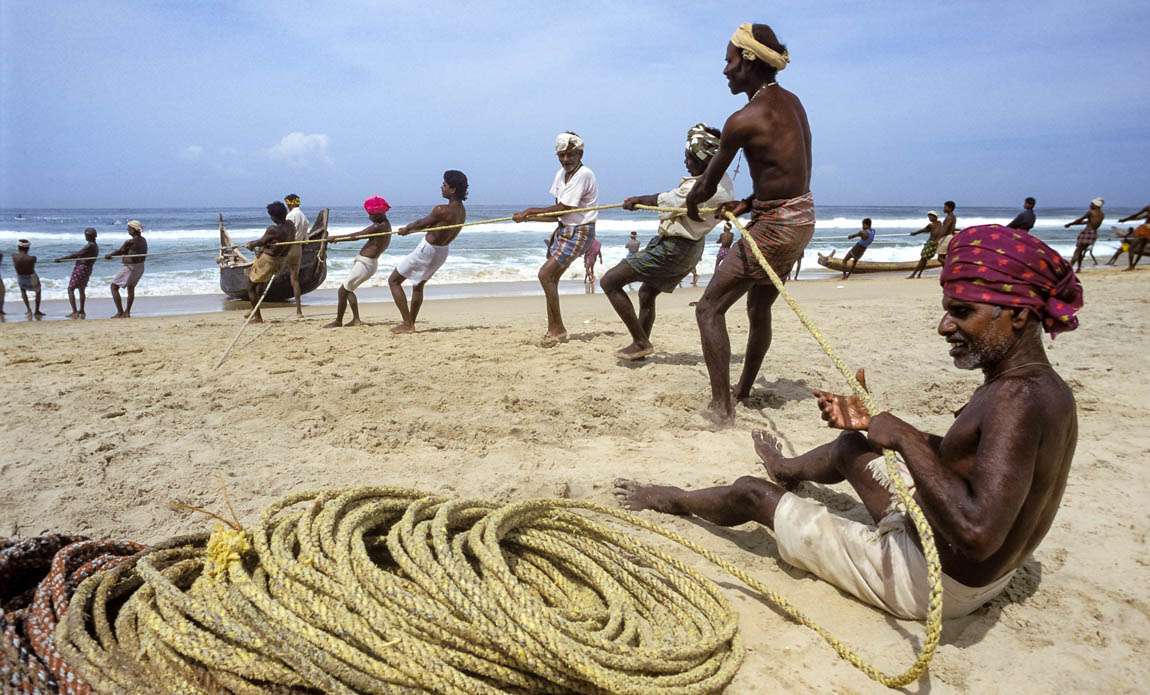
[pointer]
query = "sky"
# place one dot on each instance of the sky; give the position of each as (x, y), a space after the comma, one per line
(191, 104)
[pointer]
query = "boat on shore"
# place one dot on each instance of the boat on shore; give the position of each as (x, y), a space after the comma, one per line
(234, 264)
(874, 266)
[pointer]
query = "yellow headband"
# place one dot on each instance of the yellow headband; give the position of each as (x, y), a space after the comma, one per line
(753, 50)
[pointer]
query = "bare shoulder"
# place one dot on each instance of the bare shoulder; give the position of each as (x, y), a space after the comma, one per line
(1040, 395)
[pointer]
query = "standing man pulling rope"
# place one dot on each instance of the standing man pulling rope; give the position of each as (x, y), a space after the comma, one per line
(773, 133)
(295, 253)
(574, 187)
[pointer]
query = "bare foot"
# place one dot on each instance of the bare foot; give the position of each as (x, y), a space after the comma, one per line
(298, 314)
(256, 319)
(354, 322)
(637, 497)
(83, 315)
(771, 452)
(402, 328)
(74, 315)
(39, 314)
(333, 324)
(635, 351)
(117, 316)
(721, 414)
(551, 340)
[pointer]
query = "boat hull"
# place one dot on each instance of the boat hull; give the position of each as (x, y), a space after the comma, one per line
(312, 269)
(875, 266)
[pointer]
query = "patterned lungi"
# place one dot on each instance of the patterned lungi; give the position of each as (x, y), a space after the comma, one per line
(80, 274)
(570, 242)
(781, 229)
(1087, 237)
(929, 249)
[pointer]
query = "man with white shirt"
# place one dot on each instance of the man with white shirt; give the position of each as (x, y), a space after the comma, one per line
(574, 187)
(673, 253)
(295, 255)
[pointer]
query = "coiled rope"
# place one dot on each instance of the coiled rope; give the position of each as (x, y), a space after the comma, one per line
(380, 589)
(889, 477)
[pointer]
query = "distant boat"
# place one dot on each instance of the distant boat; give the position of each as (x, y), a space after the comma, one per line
(874, 266)
(312, 269)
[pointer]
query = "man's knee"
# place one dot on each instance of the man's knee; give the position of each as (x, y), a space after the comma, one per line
(647, 294)
(749, 492)
(848, 447)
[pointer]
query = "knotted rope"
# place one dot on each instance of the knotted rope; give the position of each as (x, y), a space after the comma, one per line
(889, 477)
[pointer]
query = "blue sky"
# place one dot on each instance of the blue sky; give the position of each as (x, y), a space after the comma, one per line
(110, 104)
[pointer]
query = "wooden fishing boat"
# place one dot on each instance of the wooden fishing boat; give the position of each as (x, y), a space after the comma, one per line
(874, 266)
(234, 265)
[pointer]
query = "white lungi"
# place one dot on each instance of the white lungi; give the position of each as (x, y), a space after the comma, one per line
(880, 565)
(362, 268)
(419, 265)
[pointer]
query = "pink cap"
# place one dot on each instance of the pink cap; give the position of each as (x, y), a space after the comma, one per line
(376, 205)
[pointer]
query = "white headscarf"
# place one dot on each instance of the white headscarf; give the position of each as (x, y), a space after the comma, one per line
(744, 38)
(701, 143)
(566, 141)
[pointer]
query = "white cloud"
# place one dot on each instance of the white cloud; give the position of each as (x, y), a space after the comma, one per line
(300, 149)
(192, 153)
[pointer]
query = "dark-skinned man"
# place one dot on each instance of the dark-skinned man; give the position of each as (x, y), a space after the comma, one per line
(301, 226)
(574, 187)
(273, 255)
(419, 265)
(26, 277)
(1137, 239)
(930, 249)
(773, 133)
(671, 255)
(81, 271)
(367, 262)
(132, 253)
(989, 488)
(1092, 221)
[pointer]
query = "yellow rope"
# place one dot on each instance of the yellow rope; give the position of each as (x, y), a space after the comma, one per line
(379, 589)
(892, 479)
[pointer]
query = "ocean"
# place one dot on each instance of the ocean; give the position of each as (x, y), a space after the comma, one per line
(494, 259)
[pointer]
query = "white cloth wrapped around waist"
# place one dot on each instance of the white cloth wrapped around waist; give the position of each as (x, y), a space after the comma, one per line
(419, 265)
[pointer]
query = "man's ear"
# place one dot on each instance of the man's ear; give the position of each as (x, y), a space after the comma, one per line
(1019, 317)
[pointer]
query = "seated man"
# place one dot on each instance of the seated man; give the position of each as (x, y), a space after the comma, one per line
(671, 255)
(367, 262)
(989, 488)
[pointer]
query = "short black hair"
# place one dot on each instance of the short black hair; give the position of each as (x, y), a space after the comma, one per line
(278, 211)
(866, 221)
(457, 180)
(949, 204)
(1032, 201)
(90, 231)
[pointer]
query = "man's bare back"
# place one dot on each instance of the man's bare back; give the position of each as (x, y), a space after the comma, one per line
(452, 212)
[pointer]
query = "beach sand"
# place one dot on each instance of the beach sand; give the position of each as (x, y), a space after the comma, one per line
(102, 423)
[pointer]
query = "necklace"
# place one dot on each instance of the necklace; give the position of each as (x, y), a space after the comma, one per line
(768, 84)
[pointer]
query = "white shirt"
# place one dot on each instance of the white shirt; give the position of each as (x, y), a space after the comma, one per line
(296, 217)
(675, 224)
(581, 191)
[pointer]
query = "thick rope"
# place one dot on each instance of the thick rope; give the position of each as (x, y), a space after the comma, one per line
(379, 589)
(892, 480)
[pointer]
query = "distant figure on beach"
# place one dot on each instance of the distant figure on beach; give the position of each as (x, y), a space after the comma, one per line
(26, 277)
(773, 133)
(633, 244)
(366, 262)
(134, 252)
(1024, 221)
(1092, 221)
(673, 252)
(1138, 238)
(865, 237)
(272, 256)
(3, 290)
(726, 238)
(593, 255)
(930, 248)
(419, 265)
(949, 222)
(81, 271)
(989, 488)
(301, 227)
(574, 187)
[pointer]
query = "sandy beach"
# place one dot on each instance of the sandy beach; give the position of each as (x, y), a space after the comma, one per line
(102, 423)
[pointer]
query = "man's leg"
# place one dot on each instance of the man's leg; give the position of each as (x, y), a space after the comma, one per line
(395, 284)
(549, 275)
(917, 272)
(72, 301)
(416, 301)
(1090, 249)
(132, 300)
(353, 302)
(724, 290)
(748, 499)
(847, 271)
(255, 291)
(39, 293)
(83, 299)
(613, 283)
(1076, 258)
(340, 307)
(759, 302)
(27, 304)
(119, 303)
(295, 288)
(647, 297)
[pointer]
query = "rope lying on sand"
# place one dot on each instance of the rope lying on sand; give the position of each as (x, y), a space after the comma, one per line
(378, 589)
(23, 564)
(893, 481)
